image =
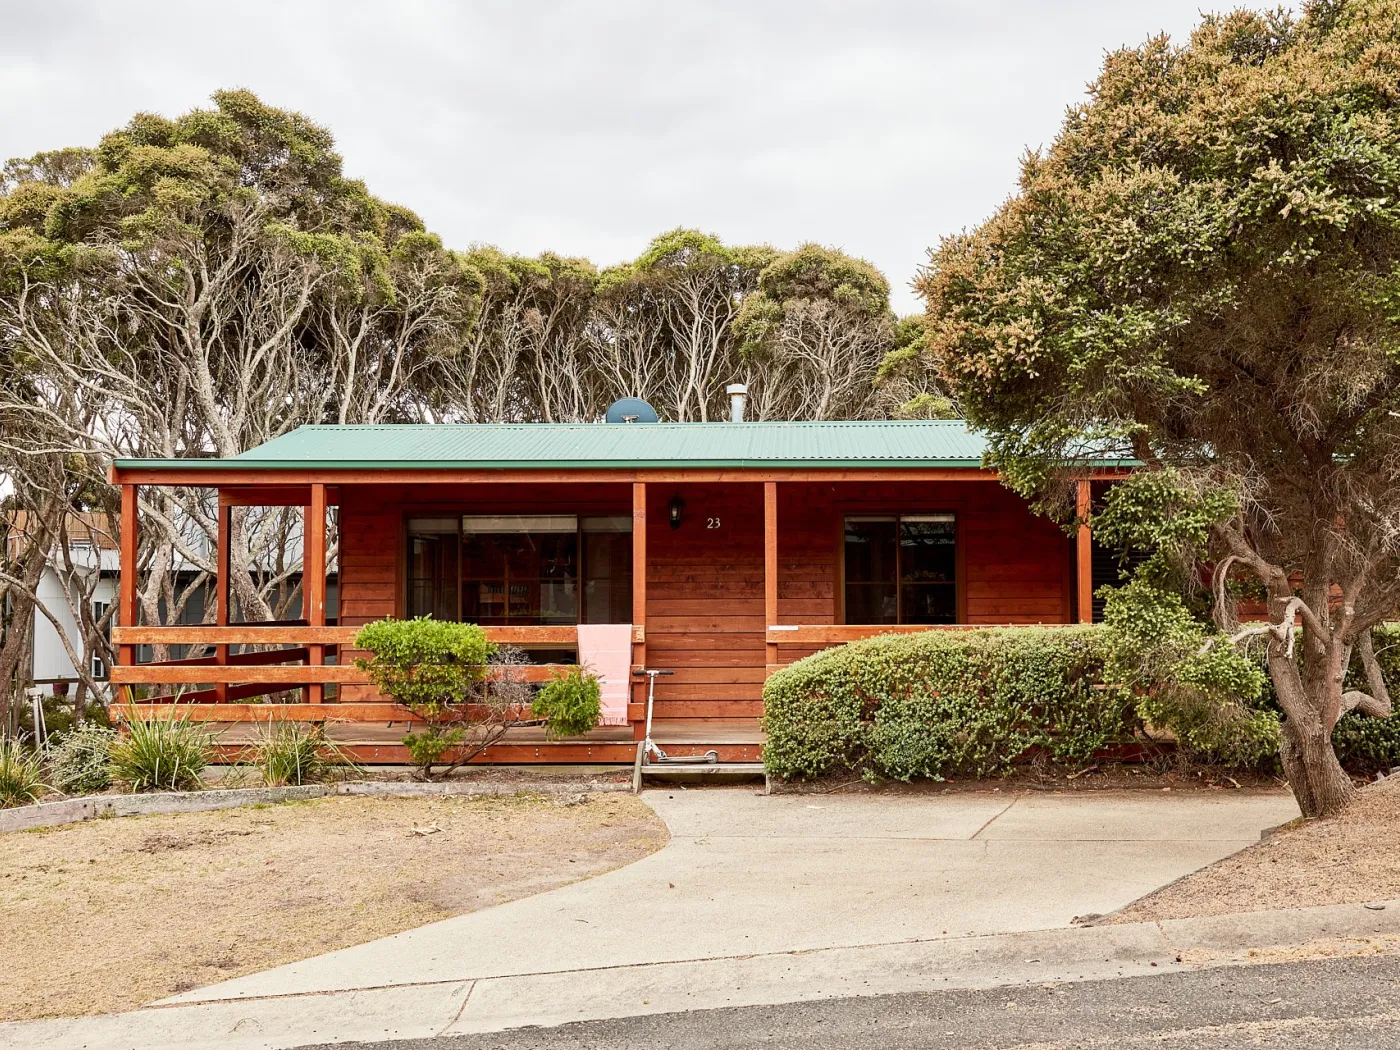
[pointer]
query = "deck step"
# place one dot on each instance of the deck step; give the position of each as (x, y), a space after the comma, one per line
(703, 772)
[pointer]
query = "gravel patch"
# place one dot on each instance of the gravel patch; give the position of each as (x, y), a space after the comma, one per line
(111, 914)
(1351, 859)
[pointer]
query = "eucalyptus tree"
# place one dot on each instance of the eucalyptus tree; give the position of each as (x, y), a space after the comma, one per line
(526, 358)
(627, 337)
(201, 285)
(813, 334)
(699, 285)
(1203, 271)
(909, 385)
(562, 384)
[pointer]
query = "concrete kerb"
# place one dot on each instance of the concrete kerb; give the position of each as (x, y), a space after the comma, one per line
(93, 807)
(485, 1004)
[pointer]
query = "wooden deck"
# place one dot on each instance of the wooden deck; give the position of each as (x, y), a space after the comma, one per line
(735, 739)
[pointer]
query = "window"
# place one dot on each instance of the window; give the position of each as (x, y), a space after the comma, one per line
(434, 546)
(607, 569)
(526, 570)
(901, 569)
(98, 669)
(520, 569)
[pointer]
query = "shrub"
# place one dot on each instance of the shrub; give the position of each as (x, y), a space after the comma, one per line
(21, 774)
(289, 754)
(953, 703)
(155, 754)
(425, 664)
(58, 715)
(941, 703)
(571, 703)
(81, 761)
(1368, 745)
(440, 671)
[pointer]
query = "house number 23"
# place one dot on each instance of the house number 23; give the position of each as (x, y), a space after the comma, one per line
(711, 523)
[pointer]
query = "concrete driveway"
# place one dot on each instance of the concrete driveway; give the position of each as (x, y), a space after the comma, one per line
(747, 874)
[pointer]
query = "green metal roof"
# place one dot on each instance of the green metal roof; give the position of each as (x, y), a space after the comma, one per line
(941, 443)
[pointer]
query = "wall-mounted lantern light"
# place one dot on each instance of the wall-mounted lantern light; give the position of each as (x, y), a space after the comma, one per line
(677, 505)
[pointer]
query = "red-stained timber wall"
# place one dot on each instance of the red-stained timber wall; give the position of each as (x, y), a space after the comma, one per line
(705, 579)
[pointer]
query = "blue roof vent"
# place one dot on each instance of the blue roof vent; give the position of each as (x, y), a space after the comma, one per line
(631, 410)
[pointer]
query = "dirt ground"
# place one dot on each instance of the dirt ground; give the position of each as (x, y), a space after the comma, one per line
(1352, 859)
(110, 914)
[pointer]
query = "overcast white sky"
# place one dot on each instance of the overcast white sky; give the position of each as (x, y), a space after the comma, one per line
(587, 128)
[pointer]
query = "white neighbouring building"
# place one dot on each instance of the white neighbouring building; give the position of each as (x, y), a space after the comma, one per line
(93, 550)
(92, 553)
(51, 663)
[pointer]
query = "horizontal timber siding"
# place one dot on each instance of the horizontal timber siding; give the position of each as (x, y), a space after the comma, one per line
(705, 616)
(705, 600)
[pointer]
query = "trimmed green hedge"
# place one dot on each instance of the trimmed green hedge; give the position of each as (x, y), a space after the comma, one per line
(955, 703)
(944, 703)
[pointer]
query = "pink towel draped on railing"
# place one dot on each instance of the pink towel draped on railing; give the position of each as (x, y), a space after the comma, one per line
(606, 650)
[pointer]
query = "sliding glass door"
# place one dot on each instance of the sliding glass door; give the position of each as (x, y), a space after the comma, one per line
(521, 570)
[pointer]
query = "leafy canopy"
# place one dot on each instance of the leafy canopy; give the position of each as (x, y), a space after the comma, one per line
(1205, 265)
(159, 178)
(1203, 272)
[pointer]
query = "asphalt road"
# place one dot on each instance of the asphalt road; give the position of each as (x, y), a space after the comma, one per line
(1336, 1003)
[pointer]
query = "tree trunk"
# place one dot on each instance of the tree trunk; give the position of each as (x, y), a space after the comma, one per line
(12, 655)
(1319, 783)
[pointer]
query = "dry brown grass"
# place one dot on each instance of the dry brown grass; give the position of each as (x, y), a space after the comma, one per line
(110, 914)
(1351, 859)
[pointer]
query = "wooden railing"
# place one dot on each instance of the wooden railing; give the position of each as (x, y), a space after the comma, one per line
(262, 671)
(240, 676)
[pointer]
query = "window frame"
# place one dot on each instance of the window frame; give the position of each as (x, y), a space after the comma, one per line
(459, 512)
(97, 666)
(863, 510)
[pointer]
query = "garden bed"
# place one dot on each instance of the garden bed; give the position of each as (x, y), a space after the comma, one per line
(110, 914)
(1097, 776)
(1350, 859)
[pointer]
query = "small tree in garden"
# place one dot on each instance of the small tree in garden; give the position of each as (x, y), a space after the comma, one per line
(1203, 272)
(438, 670)
(467, 689)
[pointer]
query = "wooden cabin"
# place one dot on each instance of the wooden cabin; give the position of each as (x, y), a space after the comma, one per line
(730, 548)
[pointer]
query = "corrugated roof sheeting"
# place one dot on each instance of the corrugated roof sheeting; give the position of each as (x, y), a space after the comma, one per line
(600, 444)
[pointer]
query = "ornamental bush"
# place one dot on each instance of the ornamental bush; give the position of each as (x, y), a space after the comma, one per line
(425, 664)
(437, 668)
(947, 703)
(941, 703)
(571, 703)
(81, 760)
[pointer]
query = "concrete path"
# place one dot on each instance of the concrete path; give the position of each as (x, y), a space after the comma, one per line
(746, 873)
(783, 898)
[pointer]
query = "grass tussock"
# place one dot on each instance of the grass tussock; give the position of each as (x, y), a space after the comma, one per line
(161, 754)
(21, 774)
(288, 754)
